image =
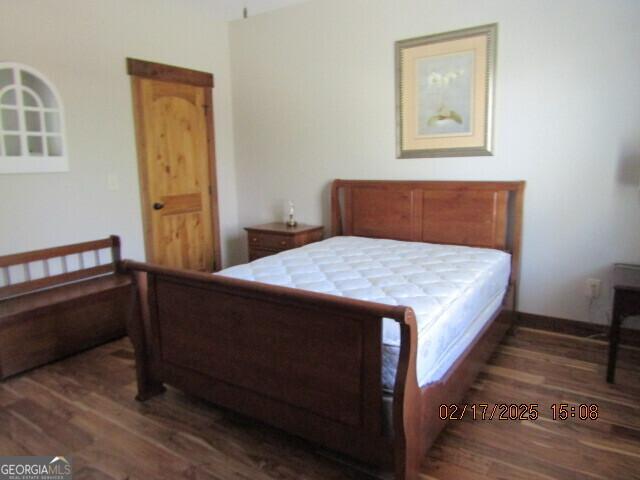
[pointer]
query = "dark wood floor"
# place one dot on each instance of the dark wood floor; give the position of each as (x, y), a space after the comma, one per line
(84, 407)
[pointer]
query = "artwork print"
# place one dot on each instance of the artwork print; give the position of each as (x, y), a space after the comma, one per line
(444, 94)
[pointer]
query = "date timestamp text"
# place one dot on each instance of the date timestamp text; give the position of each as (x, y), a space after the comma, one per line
(517, 411)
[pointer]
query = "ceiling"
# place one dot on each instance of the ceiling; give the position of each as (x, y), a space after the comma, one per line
(232, 9)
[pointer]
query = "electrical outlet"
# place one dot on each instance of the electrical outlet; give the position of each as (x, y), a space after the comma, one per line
(592, 288)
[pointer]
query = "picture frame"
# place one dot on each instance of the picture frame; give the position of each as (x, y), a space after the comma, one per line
(445, 88)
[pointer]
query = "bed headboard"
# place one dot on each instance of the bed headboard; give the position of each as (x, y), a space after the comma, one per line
(477, 214)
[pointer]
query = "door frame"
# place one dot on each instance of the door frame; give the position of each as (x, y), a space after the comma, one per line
(141, 69)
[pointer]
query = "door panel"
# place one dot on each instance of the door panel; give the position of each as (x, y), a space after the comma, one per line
(174, 158)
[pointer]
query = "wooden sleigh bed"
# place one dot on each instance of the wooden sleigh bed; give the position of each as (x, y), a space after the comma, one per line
(271, 352)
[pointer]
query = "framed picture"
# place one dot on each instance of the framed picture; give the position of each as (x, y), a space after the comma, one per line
(444, 93)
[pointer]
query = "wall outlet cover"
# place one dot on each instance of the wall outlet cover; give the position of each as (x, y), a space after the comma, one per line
(592, 287)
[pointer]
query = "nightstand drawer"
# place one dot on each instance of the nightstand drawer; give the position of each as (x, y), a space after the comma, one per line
(267, 240)
(271, 238)
(256, 253)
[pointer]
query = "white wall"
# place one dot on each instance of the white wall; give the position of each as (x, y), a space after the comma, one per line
(81, 46)
(233, 9)
(313, 100)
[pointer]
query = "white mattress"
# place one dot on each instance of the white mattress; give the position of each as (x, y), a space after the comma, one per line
(453, 290)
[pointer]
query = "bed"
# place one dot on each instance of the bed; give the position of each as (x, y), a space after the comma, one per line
(353, 342)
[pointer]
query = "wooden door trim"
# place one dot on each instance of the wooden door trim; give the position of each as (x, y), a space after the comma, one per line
(143, 179)
(139, 70)
(213, 180)
(168, 73)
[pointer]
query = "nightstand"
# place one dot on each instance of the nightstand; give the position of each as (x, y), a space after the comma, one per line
(270, 238)
(626, 302)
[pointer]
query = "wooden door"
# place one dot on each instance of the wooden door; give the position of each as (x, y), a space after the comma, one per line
(174, 129)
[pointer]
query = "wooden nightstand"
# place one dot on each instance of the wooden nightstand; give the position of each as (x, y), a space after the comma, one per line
(270, 238)
(626, 302)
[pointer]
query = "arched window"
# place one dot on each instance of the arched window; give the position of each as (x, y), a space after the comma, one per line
(31, 122)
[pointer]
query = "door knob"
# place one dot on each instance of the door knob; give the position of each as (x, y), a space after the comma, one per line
(158, 206)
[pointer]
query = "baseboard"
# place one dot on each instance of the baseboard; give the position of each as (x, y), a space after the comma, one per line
(574, 327)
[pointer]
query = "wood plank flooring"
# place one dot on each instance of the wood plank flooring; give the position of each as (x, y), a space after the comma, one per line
(84, 407)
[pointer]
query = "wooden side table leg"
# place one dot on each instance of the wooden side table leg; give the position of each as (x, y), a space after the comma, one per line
(614, 338)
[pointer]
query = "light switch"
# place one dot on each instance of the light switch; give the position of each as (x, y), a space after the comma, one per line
(112, 182)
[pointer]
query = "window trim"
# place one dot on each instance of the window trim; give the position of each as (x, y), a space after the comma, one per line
(26, 163)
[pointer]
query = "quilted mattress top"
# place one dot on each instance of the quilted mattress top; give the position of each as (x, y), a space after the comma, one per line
(427, 277)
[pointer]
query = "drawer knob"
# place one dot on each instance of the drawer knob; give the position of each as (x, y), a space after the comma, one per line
(283, 243)
(254, 239)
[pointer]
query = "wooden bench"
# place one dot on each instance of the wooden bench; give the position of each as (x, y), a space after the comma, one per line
(58, 301)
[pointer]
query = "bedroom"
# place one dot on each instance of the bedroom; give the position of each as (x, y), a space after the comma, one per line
(305, 94)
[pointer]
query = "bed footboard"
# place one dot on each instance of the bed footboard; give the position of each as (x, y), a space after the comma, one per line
(305, 362)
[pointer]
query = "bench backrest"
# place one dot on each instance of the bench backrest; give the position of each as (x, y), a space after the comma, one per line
(18, 273)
